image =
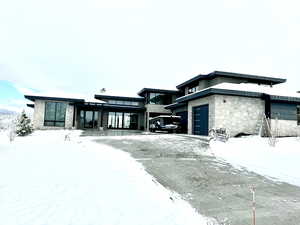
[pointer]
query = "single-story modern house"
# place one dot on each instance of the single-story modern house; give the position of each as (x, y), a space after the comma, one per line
(237, 102)
(109, 112)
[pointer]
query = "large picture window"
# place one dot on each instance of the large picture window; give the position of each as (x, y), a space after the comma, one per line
(160, 99)
(298, 115)
(55, 114)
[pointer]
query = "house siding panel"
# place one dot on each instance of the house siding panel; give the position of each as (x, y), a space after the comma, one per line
(284, 111)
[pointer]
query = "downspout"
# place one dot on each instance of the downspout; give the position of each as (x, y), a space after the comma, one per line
(267, 99)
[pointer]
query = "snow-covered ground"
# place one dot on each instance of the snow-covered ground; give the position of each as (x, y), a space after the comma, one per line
(254, 153)
(47, 180)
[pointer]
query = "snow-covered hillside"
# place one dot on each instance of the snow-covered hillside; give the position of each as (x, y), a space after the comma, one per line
(6, 120)
(47, 180)
(254, 153)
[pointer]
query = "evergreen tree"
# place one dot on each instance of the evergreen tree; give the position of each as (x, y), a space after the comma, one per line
(24, 126)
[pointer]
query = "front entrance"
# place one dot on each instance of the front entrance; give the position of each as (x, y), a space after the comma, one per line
(200, 120)
(89, 119)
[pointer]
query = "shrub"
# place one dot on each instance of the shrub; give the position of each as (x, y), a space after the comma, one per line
(24, 126)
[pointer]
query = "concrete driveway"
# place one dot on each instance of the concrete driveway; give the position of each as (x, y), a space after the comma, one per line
(212, 186)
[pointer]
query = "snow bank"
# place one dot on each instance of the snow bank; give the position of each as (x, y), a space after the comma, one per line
(47, 180)
(254, 153)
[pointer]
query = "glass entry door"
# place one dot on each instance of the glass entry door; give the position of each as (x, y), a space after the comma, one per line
(89, 119)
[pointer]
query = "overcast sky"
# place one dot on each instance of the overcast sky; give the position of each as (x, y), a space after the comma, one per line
(125, 45)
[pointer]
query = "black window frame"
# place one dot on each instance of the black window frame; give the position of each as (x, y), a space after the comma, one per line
(122, 102)
(298, 115)
(162, 100)
(192, 89)
(55, 122)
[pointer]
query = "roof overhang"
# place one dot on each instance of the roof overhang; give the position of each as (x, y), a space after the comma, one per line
(176, 105)
(30, 105)
(35, 97)
(254, 78)
(144, 90)
(110, 97)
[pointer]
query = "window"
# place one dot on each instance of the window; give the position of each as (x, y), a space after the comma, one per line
(192, 90)
(55, 113)
(120, 102)
(120, 120)
(160, 99)
(298, 115)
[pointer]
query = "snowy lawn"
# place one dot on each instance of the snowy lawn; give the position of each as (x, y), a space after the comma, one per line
(280, 162)
(47, 180)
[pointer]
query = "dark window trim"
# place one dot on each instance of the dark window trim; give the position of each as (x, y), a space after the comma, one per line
(54, 121)
(156, 94)
(298, 115)
(192, 89)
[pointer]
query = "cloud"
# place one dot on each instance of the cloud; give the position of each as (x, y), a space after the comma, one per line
(81, 47)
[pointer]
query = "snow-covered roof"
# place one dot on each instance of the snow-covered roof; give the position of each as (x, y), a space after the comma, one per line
(278, 90)
(250, 89)
(256, 78)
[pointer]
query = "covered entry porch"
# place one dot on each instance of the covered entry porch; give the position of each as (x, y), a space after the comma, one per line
(109, 116)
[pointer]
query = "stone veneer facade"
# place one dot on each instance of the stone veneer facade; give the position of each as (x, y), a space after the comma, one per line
(239, 114)
(284, 128)
(236, 114)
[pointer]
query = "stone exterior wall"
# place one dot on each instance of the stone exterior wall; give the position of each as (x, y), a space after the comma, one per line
(69, 116)
(285, 128)
(238, 114)
(39, 113)
(211, 111)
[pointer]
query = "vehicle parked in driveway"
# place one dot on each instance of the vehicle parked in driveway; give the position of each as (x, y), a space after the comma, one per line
(170, 124)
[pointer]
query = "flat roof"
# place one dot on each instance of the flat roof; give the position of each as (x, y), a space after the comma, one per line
(111, 97)
(141, 92)
(257, 78)
(36, 97)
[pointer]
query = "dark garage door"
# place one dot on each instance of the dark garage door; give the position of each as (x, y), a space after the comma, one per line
(200, 120)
